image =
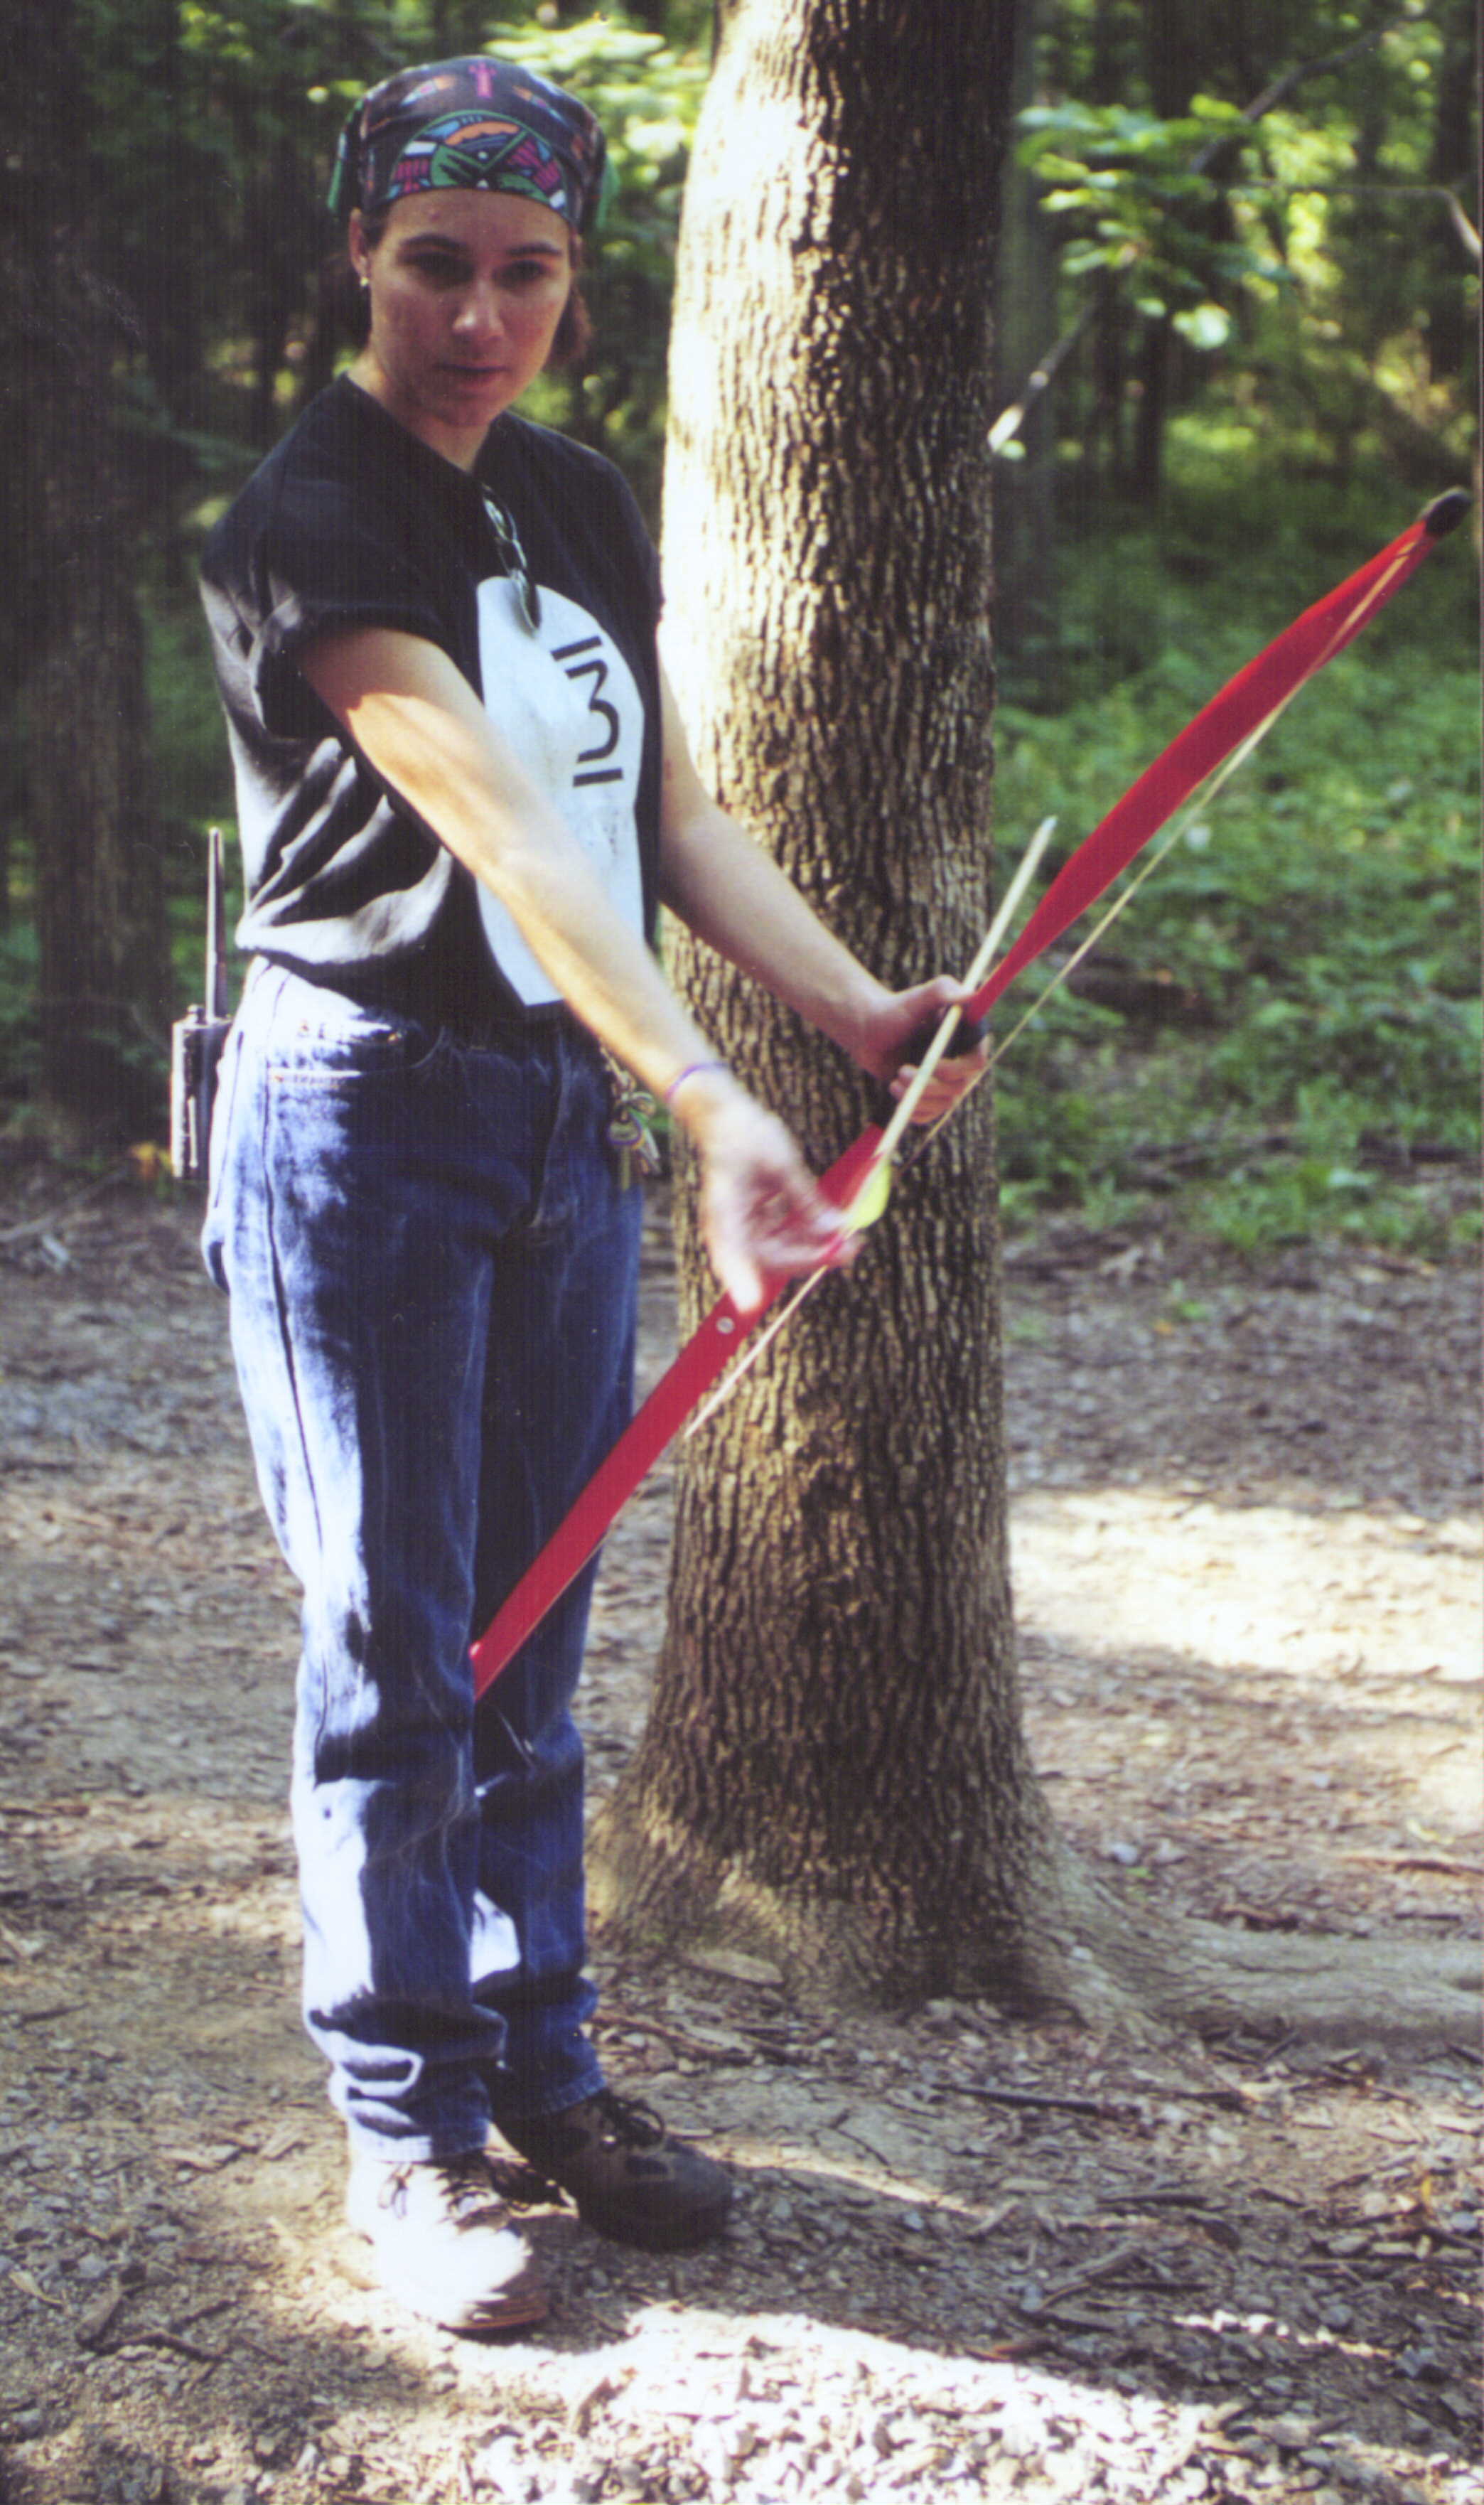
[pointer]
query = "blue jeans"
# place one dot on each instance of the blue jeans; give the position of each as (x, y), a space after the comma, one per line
(432, 1272)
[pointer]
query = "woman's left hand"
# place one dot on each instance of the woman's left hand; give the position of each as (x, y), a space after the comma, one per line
(896, 1021)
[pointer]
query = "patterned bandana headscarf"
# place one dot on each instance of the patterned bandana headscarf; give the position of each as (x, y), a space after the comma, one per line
(475, 124)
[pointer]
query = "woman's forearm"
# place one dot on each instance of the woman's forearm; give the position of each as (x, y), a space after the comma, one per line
(423, 729)
(734, 895)
(425, 732)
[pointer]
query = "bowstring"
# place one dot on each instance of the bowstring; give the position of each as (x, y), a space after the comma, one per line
(1189, 809)
(901, 1116)
(1198, 802)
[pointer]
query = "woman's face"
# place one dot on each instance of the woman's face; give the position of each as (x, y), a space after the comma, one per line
(467, 289)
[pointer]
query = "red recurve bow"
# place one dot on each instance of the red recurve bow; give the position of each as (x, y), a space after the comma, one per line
(1234, 721)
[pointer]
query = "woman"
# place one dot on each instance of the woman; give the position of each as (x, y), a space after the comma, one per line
(463, 791)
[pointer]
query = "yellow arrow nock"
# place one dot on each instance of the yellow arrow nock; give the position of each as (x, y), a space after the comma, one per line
(869, 1202)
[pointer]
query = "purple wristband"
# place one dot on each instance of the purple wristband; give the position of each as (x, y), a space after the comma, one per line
(692, 1069)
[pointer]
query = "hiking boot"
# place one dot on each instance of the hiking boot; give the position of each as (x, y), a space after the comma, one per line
(627, 2176)
(443, 2244)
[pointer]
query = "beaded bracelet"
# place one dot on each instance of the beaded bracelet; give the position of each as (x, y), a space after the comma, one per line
(692, 1069)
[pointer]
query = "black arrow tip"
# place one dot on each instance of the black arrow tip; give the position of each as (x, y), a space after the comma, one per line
(1445, 512)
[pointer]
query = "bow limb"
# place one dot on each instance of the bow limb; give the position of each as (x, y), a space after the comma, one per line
(1245, 706)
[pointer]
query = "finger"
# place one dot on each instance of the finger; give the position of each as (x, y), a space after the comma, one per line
(942, 1092)
(742, 1278)
(797, 1228)
(803, 1247)
(951, 1080)
(801, 1209)
(942, 991)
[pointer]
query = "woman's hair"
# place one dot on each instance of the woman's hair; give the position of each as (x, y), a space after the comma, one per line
(350, 303)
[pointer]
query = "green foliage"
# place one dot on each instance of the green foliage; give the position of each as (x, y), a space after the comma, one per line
(1281, 188)
(1326, 1184)
(193, 770)
(1133, 190)
(1053, 1140)
(1325, 912)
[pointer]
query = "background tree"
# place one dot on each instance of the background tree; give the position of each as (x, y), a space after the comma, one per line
(1196, 156)
(74, 635)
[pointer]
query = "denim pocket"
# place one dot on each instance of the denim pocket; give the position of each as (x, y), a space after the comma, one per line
(336, 1043)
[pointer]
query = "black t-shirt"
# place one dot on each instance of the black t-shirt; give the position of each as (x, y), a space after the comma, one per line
(352, 521)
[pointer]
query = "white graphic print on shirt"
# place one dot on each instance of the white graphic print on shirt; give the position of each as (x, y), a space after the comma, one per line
(568, 703)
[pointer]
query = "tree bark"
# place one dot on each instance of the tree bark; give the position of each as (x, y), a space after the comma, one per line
(834, 1765)
(103, 985)
(103, 973)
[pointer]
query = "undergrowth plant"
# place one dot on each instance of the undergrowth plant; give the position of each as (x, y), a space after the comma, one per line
(1323, 918)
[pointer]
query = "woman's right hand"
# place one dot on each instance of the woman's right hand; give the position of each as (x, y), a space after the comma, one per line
(763, 1214)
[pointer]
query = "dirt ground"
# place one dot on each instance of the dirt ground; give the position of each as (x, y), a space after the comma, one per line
(1009, 2261)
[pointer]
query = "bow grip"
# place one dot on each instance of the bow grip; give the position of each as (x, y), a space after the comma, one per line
(966, 1036)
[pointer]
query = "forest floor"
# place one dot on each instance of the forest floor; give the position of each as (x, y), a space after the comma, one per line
(1010, 2260)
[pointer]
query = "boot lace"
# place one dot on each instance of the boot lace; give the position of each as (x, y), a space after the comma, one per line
(520, 2185)
(468, 2186)
(627, 2123)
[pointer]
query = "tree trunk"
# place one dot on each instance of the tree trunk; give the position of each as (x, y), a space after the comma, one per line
(163, 273)
(103, 973)
(834, 1765)
(1173, 66)
(103, 980)
(1146, 479)
(1103, 461)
